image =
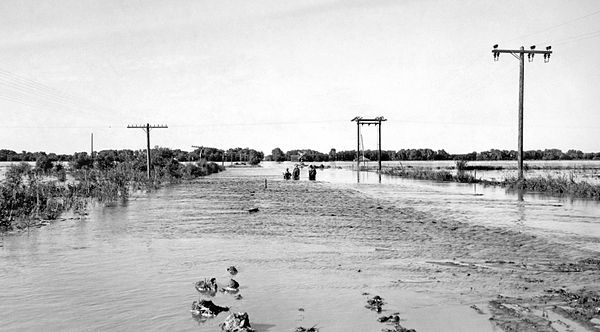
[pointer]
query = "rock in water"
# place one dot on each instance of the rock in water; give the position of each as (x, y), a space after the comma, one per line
(237, 322)
(232, 270)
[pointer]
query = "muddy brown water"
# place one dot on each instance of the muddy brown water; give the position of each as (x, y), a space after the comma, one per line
(306, 258)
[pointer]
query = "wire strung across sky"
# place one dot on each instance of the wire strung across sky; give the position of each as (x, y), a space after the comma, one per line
(38, 96)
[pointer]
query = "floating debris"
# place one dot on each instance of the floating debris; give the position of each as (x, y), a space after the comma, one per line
(310, 329)
(207, 286)
(206, 308)
(238, 297)
(233, 287)
(234, 284)
(476, 308)
(391, 319)
(232, 270)
(237, 322)
(375, 303)
(399, 328)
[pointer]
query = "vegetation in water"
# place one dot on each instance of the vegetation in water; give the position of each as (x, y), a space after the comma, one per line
(45, 191)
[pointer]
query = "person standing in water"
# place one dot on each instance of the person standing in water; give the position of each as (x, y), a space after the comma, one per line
(287, 175)
(312, 173)
(296, 173)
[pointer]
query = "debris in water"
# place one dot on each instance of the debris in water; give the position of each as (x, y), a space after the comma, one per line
(206, 308)
(237, 322)
(253, 210)
(375, 303)
(232, 270)
(391, 319)
(399, 328)
(476, 308)
(206, 286)
(303, 329)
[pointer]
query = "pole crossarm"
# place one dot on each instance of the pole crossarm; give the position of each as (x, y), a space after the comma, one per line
(531, 52)
(146, 129)
(147, 126)
(362, 121)
(522, 51)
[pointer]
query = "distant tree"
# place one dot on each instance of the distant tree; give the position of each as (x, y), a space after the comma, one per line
(43, 164)
(332, 155)
(277, 155)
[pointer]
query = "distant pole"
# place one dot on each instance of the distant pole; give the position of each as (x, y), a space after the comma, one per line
(357, 146)
(360, 121)
(201, 149)
(379, 144)
(147, 128)
(521, 57)
(92, 146)
(148, 150)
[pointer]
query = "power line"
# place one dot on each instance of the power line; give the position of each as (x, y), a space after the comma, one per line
(557, 25)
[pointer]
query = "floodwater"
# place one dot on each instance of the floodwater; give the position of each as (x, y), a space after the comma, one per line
(131, 266)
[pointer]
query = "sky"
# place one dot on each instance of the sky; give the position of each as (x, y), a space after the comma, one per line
(292, 74)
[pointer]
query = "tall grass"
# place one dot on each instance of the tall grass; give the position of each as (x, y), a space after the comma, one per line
(564, 184)
(28, 194)
(433, 174)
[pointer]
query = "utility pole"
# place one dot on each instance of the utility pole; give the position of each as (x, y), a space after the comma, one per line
(147, 128)
(520, 55)
(201, 149)
(92, 147)
(375, 121)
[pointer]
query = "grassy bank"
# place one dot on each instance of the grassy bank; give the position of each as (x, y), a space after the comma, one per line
(439, 174)
(31, 194)
(560, 185)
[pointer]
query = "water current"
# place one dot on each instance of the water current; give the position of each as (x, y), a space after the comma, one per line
(131, 266)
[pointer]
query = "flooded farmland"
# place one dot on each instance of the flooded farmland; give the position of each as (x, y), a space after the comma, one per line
(312, 254)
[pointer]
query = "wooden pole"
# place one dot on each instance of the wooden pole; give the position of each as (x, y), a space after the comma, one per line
(379, 152)
(358, 146)
(92, 147)
(148, 150)
(521, 88)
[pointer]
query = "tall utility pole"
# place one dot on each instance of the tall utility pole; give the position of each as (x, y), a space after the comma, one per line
(520, 55)
(147, 128)
(360, 121)
(92, 147)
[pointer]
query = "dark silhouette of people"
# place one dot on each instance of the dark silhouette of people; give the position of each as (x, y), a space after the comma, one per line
(312, 173)
(296, 173)
(287, 175)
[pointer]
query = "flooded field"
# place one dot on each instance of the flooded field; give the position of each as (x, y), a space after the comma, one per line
(308, 257)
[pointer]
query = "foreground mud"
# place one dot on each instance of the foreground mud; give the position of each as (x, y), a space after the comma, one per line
(526, 282)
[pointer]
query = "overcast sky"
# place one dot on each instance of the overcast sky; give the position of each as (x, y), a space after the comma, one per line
(292, 74)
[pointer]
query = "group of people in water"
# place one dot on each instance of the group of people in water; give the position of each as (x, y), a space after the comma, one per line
(312, 173)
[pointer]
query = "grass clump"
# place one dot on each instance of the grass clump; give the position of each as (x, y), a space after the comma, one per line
(564, 184)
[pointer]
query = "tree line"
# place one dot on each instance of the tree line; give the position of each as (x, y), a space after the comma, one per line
(308, 155)
(105, 157)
